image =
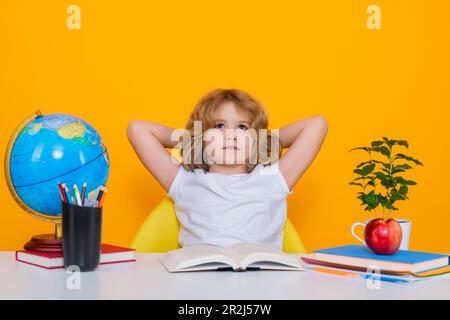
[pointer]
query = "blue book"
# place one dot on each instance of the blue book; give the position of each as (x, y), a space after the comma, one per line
(403, 260)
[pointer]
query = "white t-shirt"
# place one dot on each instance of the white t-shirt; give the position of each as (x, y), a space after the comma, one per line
(223, 209)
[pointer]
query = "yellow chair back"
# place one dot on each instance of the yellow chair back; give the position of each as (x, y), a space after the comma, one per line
(159, 232)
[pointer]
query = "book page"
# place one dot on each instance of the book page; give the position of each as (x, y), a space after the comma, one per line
(192, 256)
(247, 253)
(267, 265)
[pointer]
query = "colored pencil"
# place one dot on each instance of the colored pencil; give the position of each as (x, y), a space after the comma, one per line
(83, 193)
(62, 193)
(354, 274)
(99, 195)
(66, 189)
(102, 197)
(76, 194)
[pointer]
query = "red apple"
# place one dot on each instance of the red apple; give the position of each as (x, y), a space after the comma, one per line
(383, 236)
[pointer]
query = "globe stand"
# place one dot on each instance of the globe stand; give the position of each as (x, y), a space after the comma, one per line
(46, 242)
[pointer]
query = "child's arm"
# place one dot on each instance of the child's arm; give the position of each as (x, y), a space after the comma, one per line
(149, 140)
(304, 139)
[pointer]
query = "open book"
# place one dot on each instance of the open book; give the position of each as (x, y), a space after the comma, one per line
(238, 257)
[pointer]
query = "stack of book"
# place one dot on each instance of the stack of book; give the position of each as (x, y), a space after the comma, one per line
(55, 260)
(359, 261)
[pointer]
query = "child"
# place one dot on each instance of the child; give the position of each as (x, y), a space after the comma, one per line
(228, 189)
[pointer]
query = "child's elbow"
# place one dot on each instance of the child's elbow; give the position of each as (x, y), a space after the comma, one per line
(322, 123)
(132, 128)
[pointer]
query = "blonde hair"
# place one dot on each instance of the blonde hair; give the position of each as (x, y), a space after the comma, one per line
(204, 111)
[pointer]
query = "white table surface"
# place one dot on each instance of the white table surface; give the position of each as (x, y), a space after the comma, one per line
(148, 279)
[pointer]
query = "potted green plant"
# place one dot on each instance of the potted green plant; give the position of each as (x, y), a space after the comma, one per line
(380, 178)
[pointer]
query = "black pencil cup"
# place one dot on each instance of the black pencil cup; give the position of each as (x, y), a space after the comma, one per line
(81, 236)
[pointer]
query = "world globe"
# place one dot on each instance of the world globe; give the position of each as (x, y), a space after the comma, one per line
(45, 150)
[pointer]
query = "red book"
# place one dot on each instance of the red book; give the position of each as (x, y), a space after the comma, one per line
(54, 260)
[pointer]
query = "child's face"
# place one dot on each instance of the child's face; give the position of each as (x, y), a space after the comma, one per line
(229, 141)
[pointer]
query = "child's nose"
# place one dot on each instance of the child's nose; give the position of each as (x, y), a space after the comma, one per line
(231, 135)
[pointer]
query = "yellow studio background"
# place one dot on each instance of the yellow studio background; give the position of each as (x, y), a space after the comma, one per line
(154, 59)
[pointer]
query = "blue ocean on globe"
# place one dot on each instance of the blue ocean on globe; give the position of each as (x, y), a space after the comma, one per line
(56, 148)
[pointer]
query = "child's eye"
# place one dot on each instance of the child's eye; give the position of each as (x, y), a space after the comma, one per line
(220, 126)
(242, 127)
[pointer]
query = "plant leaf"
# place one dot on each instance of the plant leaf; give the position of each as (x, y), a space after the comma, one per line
(362, 163)
(383, 150)
(408, 158)
(402, 166)
(399, 180)
(402, 143)
(368, 149)
(386, 181)
(390, 143)
(383, 200)
(397, 171)
(397, 196)
(356, 184)
(368, 169)
(371, 183)
(372, 199)
(359, 178)
(403, 189)
(377, 143)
